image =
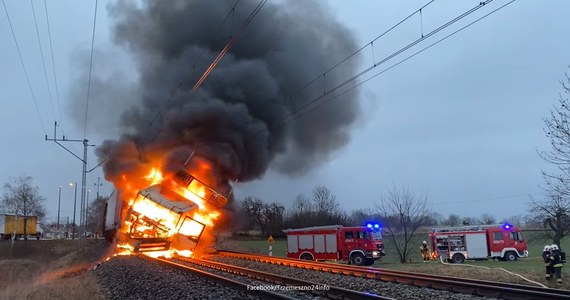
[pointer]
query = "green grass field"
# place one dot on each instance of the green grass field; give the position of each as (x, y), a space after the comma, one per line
(531, 267)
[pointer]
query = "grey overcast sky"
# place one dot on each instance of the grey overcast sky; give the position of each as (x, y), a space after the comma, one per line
(461, 121)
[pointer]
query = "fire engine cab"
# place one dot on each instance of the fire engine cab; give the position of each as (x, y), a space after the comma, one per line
(360, 245)
(456, 244)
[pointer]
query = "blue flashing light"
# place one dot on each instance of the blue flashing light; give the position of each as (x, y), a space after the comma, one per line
(376, 226)
(369, 225)
(507, 226)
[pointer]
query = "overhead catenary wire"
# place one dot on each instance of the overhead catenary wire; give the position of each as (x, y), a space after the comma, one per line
(191, 70)
(323, 74)
(90, 68)
(24, 67)
(307, 106)
(218, 58)
(43, 60)
(371, 43)
(53, 67)
(389, 57)
(229, 45)
(297, 115)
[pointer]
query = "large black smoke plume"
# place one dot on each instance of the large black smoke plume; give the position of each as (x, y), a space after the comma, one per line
(236, 118)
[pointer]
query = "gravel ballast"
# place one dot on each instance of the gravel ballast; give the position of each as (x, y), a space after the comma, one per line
(129, 277)
(387, 289)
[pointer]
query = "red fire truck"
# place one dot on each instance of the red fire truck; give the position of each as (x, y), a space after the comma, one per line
(456, 244)
(360, 245)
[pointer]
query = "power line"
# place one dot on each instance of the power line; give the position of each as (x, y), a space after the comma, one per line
(229, 45)
(305, 108)
(43, 59)
(396, 64)
(90, 67)
(394, 54)
(53, 67)
(24, 67)
(191, 70)
(371, 43)
(226, 48)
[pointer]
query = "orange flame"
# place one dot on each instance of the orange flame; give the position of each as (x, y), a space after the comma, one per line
(148, 219)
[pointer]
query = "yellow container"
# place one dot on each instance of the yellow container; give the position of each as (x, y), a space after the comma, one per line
(11, 220)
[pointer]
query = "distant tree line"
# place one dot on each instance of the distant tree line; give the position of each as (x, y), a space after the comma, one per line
(322, 208)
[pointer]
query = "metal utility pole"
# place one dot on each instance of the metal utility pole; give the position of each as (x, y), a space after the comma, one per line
(58, 209)
(83, 173)
(98, 185)
(87, 210)
(74, 209)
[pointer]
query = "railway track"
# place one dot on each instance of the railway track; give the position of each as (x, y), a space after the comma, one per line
(279, 282)
(458, 285)
(240, 286)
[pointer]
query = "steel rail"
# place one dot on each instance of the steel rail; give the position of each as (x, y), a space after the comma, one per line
(459, 285)
(264, 294)
(330, 292)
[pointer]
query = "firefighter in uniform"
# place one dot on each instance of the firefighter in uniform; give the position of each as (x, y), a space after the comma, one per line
(546, 257)
(556, 262)
(425, 251)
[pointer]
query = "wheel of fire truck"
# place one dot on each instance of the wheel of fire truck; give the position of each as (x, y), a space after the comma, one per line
(358, 259)
(306, 256)
(511, 256)
(458, 258)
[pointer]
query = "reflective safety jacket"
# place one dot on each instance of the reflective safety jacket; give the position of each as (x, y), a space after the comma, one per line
(555, 260)
(546, 257)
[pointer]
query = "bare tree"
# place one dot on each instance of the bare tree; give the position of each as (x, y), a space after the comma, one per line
(524, 220)
(327, 209)
(470, 221)
(487, 219)
(554, 210)
(301, 214)
(302, 205)
(23, 200)
(321, 209)
(402, 214)
(96, 217)
(554, 214)
(557, 131)
(262, 214)
(360, 217)
(323, 200)
(452, 220)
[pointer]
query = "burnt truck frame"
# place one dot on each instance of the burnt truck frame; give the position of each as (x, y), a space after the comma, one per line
(167, 202)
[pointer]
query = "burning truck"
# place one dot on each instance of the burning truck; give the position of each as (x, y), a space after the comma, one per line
(171, 214)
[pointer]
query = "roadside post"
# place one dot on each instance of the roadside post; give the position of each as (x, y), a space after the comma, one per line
(270, 241)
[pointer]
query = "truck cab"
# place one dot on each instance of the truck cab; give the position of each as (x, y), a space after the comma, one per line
(361, 245)
(506, 243)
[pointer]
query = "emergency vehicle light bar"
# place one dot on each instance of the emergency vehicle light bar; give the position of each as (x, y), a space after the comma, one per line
(373, 226)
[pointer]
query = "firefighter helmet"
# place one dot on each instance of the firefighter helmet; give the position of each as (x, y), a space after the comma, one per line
(424, 242)
(553, 247)
(546, 248)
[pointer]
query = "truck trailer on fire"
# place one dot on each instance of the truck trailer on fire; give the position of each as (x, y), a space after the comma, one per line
(361, 245)
(456, 244)
(163, 216)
